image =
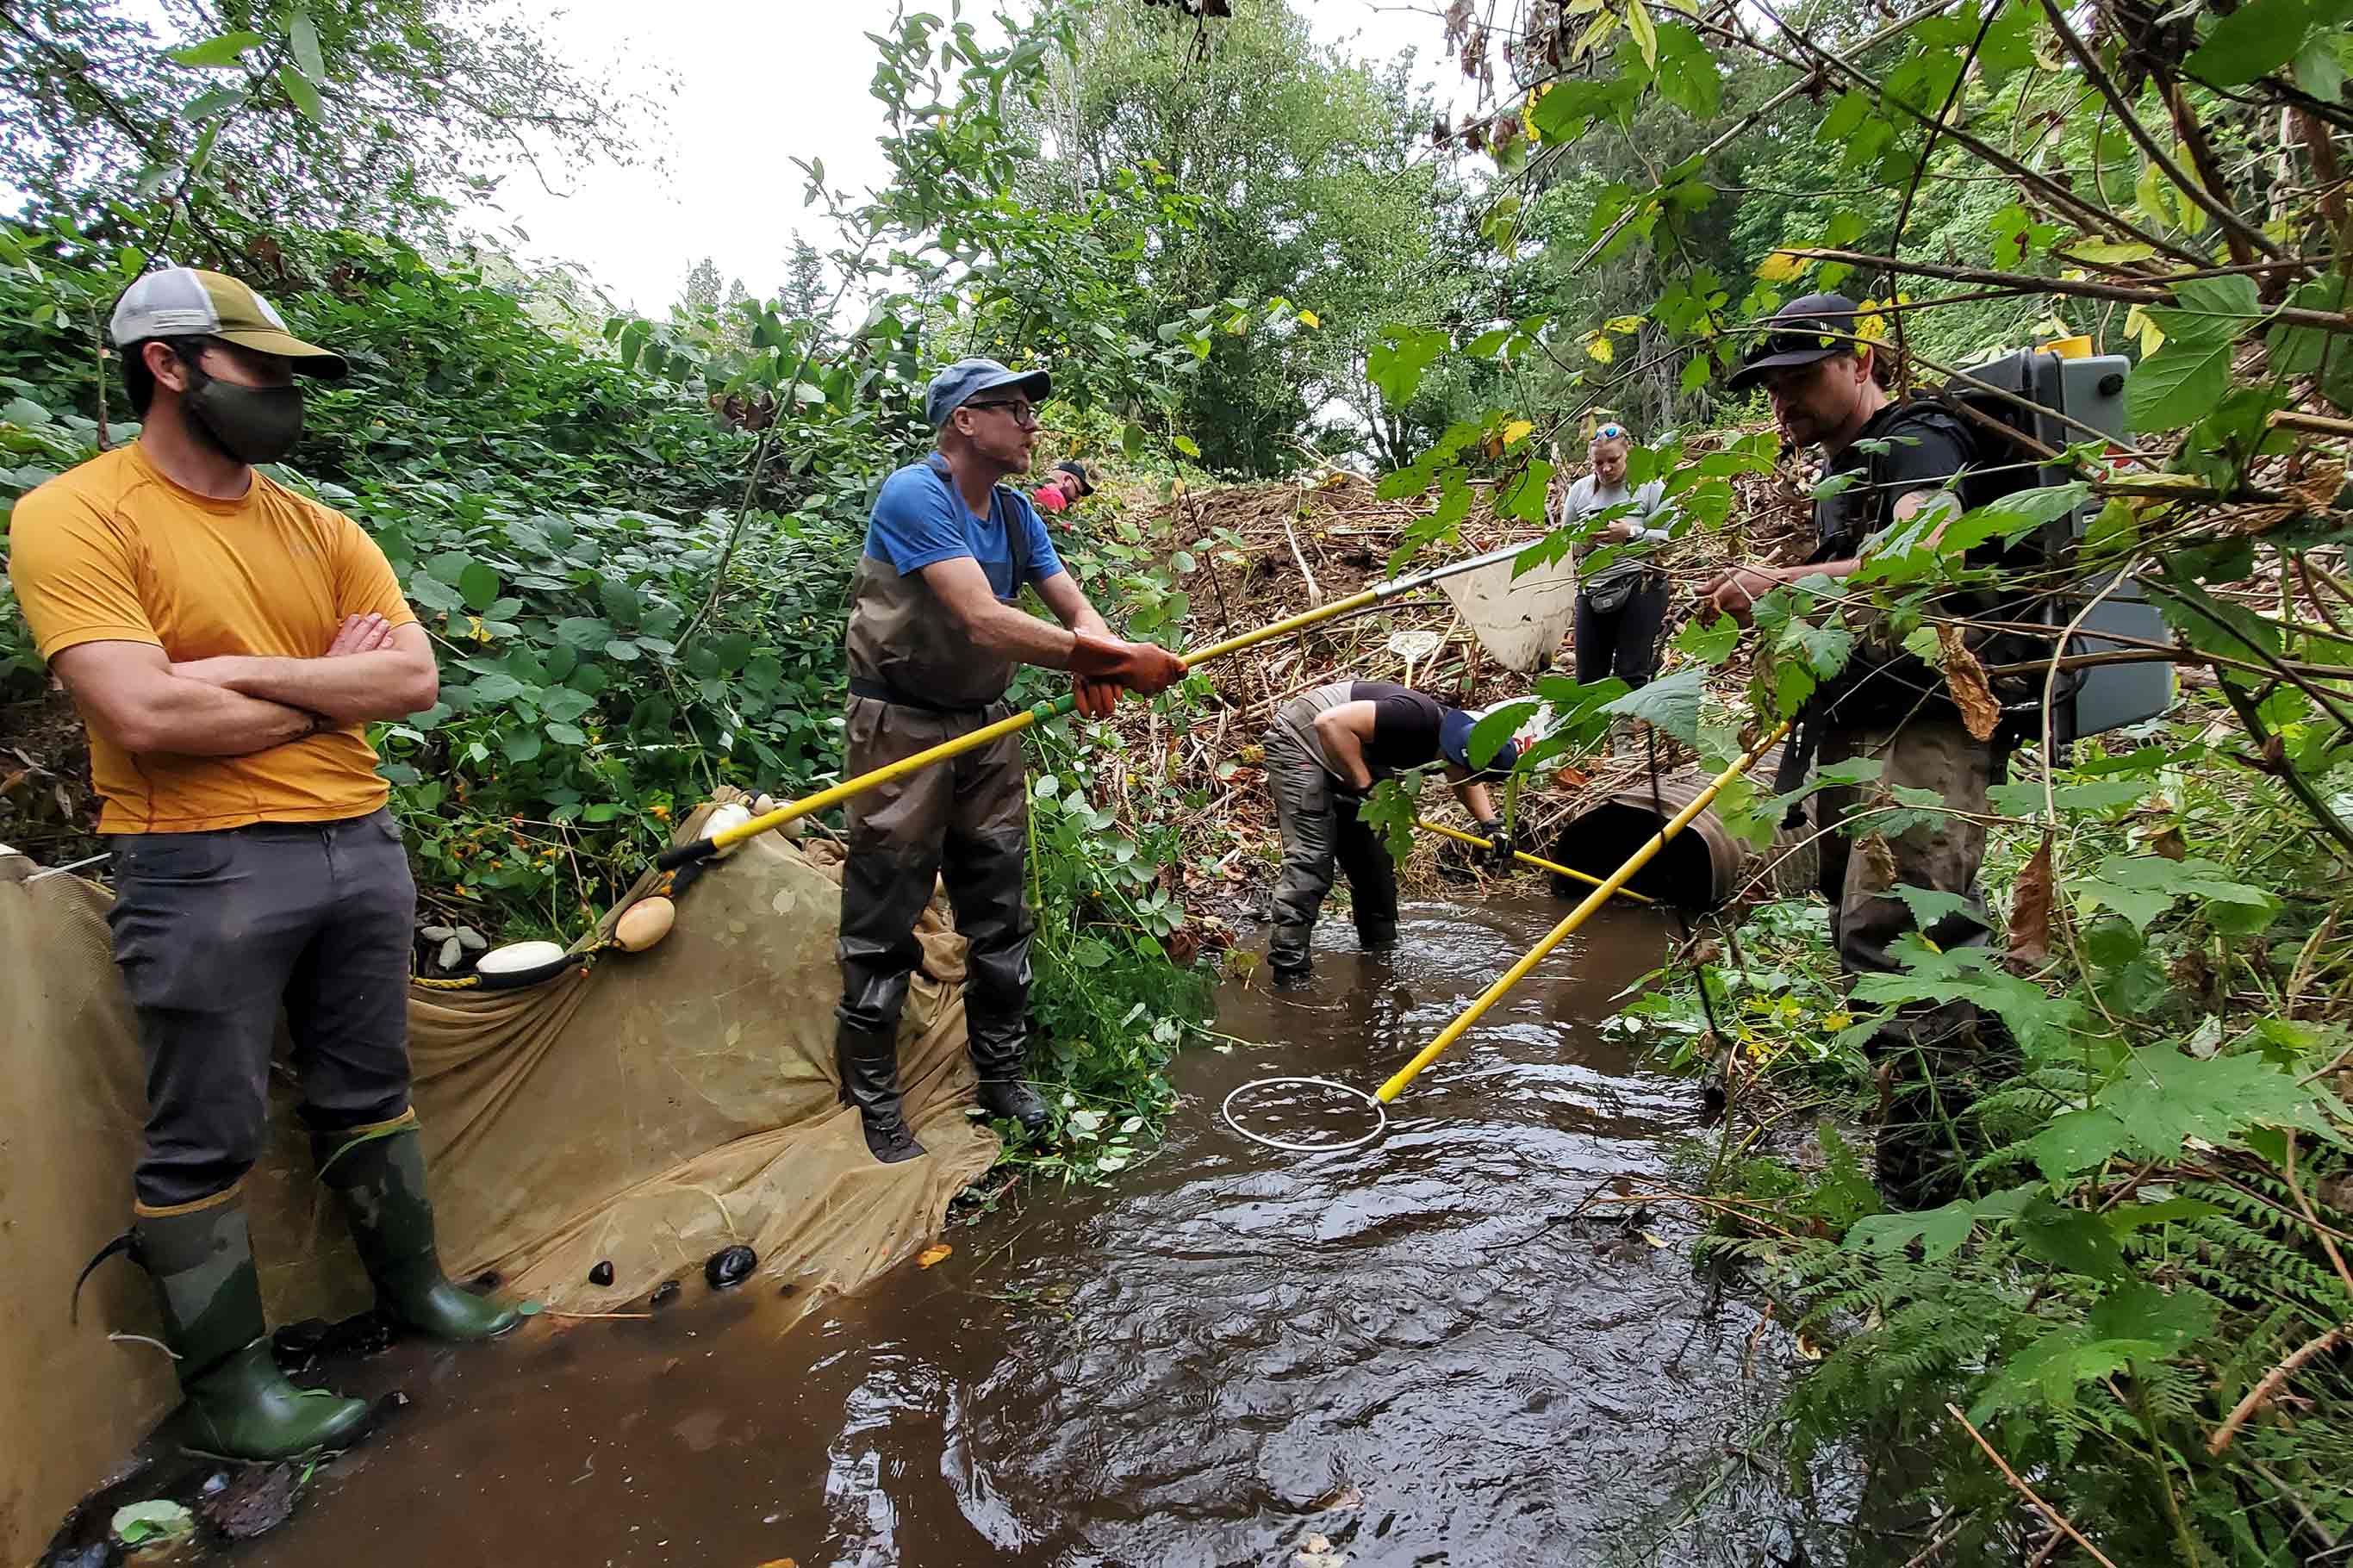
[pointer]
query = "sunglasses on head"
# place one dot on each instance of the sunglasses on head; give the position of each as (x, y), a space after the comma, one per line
(1610, 433)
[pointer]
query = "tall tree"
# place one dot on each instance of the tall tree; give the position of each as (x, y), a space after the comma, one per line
(1310, 184)
(702, 290)
(807, 292)
(188, 126)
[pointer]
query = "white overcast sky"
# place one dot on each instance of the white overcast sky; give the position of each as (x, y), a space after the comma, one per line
(760, 82)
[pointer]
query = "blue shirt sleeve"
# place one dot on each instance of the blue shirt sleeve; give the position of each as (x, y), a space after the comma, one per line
(1043, 561)
(912, 525)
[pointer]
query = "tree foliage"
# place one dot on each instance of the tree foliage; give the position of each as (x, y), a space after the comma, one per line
(188, 130)
(2138, 1245)
(1301, 176)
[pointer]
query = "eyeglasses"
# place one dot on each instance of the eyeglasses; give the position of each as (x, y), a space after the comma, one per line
(1610, 433)
(1020, 409)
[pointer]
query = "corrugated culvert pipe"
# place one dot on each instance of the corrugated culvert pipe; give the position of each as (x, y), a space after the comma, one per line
(1702, 868)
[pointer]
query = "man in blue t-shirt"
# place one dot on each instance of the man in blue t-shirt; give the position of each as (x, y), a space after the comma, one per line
(933, 638)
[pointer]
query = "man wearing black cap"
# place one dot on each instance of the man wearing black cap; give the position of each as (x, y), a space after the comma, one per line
(1064, 487)
(1829, 388)
(1325, 751)
(934, 636)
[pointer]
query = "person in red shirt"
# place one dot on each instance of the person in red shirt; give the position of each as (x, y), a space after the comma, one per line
(1063, 489)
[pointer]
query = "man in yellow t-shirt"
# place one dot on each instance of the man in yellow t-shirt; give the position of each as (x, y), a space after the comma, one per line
(227, 641)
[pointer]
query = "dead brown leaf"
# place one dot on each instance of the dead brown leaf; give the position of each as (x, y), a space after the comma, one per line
(1880, 858)
(2030, 913)
(1965, 677)
(933, 1254)
(2166, 841)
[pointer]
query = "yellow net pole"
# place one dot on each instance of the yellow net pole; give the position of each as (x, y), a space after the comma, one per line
(726, 839)
(1011, 724)
(1575, 918)
(1521, 855)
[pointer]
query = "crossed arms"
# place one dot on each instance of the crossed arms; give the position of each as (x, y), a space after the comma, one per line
(237, 704)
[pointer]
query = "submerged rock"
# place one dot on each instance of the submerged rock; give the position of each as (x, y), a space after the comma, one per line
(730, 1266)
(602, 1274)
(257, 1498)
(98, 1554)
(664, 1293)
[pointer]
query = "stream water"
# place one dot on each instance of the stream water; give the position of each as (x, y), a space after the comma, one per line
(1409, 1350)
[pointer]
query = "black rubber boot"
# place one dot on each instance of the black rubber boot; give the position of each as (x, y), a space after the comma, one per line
(381, 1180)
(238, 1405)
(1000, 1051)
(1287, 954)
(1376, 935)
(868, 1062)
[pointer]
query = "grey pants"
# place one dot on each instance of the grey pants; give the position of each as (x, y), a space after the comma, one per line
(1321, 829)
(965, 821)
(1932, 1054)
(215, 933)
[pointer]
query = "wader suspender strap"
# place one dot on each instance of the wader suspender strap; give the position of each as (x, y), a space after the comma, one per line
(1016, 546)
(1805, 736)
(1017, 539)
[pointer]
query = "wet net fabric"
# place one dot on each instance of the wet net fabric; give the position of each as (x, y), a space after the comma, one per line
(646, 1112)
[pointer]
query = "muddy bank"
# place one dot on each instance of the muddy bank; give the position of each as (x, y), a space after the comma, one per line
(1407, 1349)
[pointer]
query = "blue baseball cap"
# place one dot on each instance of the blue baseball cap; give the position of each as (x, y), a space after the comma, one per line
(1454, 727)
(954, 386)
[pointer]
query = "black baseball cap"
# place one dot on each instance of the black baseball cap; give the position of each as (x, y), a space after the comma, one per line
(1086, 484)
(1799, 333)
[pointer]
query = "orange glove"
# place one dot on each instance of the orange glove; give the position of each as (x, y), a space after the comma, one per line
(1096, 698)
(1141, 666)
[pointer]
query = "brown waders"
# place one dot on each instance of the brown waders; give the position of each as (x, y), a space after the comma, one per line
(963, 822)
(1930, 1055)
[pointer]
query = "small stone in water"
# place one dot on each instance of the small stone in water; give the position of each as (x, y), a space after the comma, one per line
(602, 1274)
(260, 1500)
(664, 1293)
(730, 1266)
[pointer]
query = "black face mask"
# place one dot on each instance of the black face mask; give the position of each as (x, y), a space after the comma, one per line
(249, 424)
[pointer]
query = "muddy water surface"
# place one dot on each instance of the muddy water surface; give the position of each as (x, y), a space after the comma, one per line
(1407, 1349)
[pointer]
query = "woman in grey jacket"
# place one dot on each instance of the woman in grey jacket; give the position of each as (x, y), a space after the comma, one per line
(1621, 607)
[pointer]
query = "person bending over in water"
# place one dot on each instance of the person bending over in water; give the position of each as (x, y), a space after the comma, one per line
(1325, 751)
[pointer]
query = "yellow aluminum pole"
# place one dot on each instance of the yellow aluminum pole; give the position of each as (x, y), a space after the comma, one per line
(679, 855)
(1455, 833)
(1012, 723)
(1575, 918)
(793, 810)
(1285, 626)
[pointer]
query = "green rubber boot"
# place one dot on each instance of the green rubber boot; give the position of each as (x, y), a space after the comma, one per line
(238, 1405)
(380, 1177)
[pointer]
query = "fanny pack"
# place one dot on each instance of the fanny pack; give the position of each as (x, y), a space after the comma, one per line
(1611, 594)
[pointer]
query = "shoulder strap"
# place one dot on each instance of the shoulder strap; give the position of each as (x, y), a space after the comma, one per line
(1003, 510)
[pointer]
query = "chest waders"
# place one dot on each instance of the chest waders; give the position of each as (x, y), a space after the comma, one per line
(918, 682)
